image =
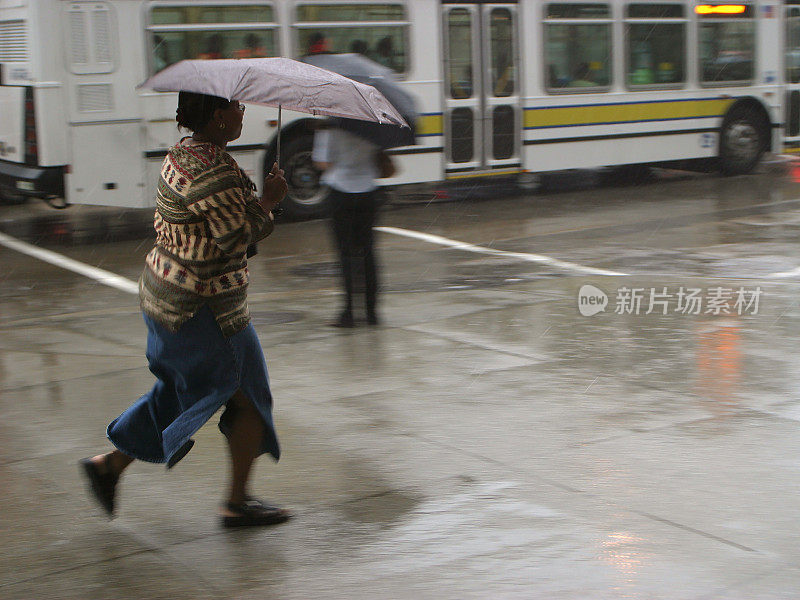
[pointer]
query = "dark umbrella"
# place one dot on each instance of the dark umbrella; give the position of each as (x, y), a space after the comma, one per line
(361, 69)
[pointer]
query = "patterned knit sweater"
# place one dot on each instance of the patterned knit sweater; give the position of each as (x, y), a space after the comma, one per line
(207, 214)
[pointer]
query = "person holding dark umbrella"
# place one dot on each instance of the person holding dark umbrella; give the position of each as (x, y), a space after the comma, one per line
(352, 154)
(350, 168)
(201, 345)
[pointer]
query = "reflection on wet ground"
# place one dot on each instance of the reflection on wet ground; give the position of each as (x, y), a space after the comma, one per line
(487, 441)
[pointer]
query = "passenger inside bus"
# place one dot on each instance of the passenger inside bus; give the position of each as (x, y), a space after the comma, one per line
(318, 44)
(385, 53)
(582, 76)
(252, 49)
(461, 87)
(504, 83)
(213, 48)
(359, 47)
(553, 80)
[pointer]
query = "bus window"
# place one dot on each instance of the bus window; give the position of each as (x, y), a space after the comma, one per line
(459, 40)
(502, 47)
(656, 41)
(378, 31)
(204, 32)
(793, 45)
(727, 44)
(577, 47)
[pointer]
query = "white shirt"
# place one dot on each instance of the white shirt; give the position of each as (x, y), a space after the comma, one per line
(352, 158)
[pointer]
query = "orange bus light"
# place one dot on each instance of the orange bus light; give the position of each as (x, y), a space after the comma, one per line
(720, 9)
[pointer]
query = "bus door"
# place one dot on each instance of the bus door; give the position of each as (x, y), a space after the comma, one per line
(104, 126)
(792, 73)
(482, 117)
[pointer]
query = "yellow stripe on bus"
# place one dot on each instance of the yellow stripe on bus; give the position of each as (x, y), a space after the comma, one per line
(625, 113)
(484, 174)
(433, 124)
(430, 125)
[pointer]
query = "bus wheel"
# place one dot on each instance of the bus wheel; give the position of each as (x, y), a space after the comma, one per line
(307, 197)
(9, 196)
(743, 137)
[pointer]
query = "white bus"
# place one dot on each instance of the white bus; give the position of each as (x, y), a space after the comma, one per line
(509, 87)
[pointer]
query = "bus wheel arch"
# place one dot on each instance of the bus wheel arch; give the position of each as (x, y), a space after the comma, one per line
(743, 136)
(307, 197)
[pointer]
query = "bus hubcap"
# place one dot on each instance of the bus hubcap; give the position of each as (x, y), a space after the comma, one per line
(742, 140)
(304, 180)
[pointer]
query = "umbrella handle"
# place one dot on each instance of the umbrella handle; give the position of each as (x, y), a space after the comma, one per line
(278, 210)
(278, 152)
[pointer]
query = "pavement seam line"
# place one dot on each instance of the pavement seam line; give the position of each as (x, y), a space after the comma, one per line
(103, 312)
(693, 530)
(451, 338)
(588, 494)
(59, 260)
(77, 567)
(43, 352)
(30, 386)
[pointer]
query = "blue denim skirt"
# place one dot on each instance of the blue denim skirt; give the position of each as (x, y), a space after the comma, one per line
(198, 370)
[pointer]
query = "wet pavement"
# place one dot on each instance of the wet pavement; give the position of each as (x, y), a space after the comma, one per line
(487, 441)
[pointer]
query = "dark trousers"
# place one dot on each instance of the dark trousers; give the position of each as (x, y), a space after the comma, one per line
(353, 216)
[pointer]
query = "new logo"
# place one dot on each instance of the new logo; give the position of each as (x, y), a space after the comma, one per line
(591, 300)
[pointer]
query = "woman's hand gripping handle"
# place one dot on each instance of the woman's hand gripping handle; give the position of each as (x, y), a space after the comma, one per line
(275, 188)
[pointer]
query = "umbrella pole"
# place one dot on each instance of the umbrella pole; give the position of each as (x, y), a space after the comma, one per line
(278, 153)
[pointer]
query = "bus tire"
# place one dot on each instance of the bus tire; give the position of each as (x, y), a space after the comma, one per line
(9, 196)
(743, 138)
(307, 197)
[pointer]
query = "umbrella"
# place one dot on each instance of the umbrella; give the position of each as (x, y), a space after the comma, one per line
(362, 69)
(280, 83)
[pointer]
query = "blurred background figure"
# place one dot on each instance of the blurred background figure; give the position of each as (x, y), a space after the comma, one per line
(385, 53)
(582, 76)
(350, 169)
(252, 49)
(503, 75)
(353, 155)
(318, 44)
(213, 48)
(359, 47)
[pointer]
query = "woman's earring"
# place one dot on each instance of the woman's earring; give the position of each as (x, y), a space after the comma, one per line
(222, 125)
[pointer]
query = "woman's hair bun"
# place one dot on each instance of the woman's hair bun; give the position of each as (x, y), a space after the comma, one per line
(195, 111)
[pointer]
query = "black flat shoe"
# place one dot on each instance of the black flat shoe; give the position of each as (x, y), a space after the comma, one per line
(345, 320)
(254, 513)
(103, 486)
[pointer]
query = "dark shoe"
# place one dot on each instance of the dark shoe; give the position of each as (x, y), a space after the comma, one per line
(254, 513)
(345, 320)
(372, 318)
(102, 485)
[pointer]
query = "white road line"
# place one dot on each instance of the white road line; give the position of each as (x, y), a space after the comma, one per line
(105, 277)
(537, 258)
(786, 274)
(126, 285)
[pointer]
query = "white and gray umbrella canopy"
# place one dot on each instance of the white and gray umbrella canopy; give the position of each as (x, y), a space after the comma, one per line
(278, 82)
